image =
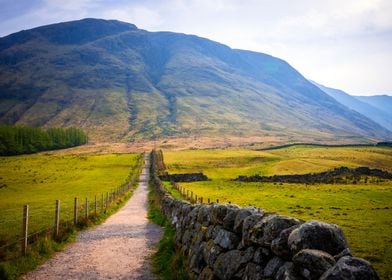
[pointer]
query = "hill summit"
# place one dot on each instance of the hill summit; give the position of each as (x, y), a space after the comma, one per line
(120, 83)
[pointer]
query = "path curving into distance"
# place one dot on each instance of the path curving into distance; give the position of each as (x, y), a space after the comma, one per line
(120, 248)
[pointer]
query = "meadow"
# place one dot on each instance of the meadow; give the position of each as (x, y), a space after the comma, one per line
(364, 211)
(40, 179)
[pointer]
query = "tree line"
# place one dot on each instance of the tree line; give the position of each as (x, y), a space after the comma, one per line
(16, 140)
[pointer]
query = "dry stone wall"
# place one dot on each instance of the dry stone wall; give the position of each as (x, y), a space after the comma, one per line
(229, 242)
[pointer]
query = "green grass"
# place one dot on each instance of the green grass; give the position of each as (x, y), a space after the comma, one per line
(229, 163)
(38, 180)
(168, 262)
(14, 264)
(364, 211)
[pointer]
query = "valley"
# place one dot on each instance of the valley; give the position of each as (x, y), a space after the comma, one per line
(224, 112)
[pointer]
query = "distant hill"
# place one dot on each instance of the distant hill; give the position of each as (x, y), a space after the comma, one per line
(376, 108)
(381, 102)
(119, 83)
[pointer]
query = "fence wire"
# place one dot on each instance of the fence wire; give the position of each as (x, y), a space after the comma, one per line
(42, 219)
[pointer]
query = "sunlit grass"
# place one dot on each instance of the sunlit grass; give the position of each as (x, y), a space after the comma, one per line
(39, 180)
(364, 211)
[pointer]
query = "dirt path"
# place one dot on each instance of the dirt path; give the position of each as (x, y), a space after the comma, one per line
(117, 249)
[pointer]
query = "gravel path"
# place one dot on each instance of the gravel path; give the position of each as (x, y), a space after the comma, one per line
(119, 248)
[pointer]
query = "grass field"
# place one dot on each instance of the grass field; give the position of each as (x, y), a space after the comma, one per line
(39, 179)
(364, 211)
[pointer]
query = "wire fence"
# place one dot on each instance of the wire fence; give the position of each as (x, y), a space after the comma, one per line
(193, 197)
(55, 220)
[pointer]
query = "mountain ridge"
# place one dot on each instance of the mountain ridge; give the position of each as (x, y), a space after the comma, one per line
(363, 105)
(123, 83)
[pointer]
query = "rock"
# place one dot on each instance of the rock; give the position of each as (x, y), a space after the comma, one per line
(218, 213)
(193, 215)
(212, 231)
(228, 264)
(253, 272)
(206, 274)
(228, 221)
(350, 268)
(344, 253)
(239, 219)
(311, 264)
(187, 237)
(211, 251)
(248, 223)
(273, 266)
(197, 262)
(317, 235)
(280, 246)
(287, 272)
(204, 215)
(262, 256)
(226, 239)
(269, 228)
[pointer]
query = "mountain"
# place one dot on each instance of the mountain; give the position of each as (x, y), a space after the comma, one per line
(123, 83)
(381, 102)
(376, 108)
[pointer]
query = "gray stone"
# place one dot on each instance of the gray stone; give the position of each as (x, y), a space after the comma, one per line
(248, 223)
(204, 215)
(187, 237)
(206, 274)
(317, 235)
(218, 213)
(212, 231)
(226, 239)
(269, 228)
(262, 256)
(193, 215)
(311, 264)
(228, 264)
(239, 219)
(197, 262)
(280, 246)
(273, 266)
(344, 253)
(287, 272)
(253, 272)
(211, 251)
(350, 268)
(228, 221)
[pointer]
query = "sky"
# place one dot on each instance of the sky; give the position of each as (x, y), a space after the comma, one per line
(344, 44)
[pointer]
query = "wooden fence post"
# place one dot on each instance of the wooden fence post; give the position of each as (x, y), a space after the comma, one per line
(102, 204)
(25, 229)
(86, 208)
(95, 205)
(217, 200)
(209, 201)
(75, 211)
(107, 200)
(201, 200)
(57, 219)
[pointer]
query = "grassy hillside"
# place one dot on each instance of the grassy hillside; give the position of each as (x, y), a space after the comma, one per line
(362, 210)
(118, 82)
(40, 179)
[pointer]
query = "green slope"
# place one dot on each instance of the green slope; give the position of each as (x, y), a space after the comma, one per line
(123, 83)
